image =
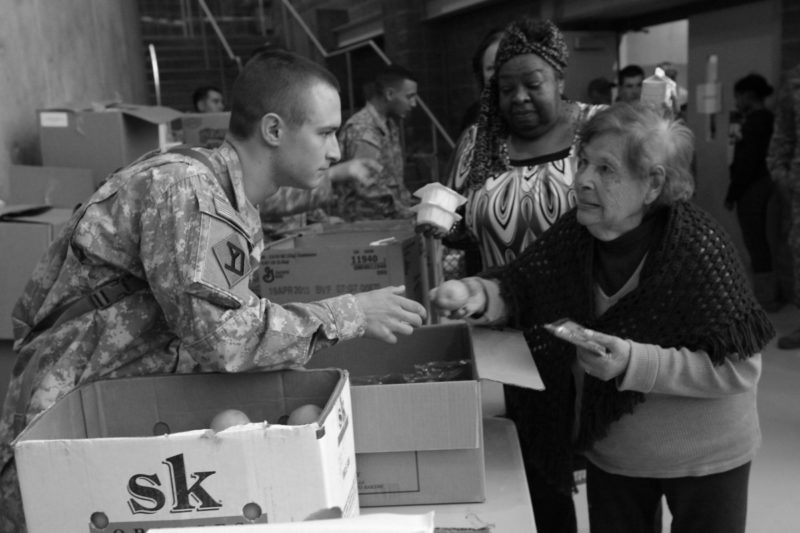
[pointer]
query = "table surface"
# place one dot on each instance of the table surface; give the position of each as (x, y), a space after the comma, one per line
(507, 508)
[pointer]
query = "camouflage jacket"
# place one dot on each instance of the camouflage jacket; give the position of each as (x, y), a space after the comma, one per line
(167, 220)
(783, 159)
(387, 197)
(290, 209)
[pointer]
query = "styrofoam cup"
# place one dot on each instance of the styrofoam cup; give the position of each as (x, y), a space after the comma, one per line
(438, 194)
(435, 215)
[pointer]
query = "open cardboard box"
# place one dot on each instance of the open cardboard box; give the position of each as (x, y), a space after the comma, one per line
(102, 137)
(422, 442)
(207, 130)
(130, 454)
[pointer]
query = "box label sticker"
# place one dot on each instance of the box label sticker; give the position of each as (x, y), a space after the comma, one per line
(387, 473)
(53, 119)
(367, 260)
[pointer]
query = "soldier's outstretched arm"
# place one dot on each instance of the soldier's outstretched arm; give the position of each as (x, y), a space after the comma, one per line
(198, 258)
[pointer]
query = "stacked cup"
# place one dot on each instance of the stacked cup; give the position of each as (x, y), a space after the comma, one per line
(438, 206)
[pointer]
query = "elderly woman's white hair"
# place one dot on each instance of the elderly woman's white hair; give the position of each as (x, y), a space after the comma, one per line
(650, 139)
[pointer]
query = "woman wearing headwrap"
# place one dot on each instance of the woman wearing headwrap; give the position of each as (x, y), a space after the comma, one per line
(662, 403)
(516, 166)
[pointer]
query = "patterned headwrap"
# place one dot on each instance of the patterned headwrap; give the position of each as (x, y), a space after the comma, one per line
(526, 36)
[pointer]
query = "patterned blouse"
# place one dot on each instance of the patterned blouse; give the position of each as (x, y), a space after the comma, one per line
(512, 209)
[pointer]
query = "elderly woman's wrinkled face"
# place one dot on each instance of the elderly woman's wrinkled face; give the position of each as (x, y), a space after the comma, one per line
(530, 95)
(612, 198)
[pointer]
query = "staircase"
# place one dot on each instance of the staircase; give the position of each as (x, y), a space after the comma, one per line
(189, 54)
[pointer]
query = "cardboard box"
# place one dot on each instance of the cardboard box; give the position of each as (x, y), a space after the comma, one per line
(314, 266)
(421, 442)
(130, 454)
(102, 139)
(203, 129)
(26, 232)
(56, 186)
(376, 523)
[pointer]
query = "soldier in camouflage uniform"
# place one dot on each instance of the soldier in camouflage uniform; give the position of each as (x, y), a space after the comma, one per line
(182, 239)
(290, 209)
(374, 133)
(783, 161)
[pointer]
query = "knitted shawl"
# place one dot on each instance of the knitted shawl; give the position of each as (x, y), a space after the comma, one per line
(692, 293)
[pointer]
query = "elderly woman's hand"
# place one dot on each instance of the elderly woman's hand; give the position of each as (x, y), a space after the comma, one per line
(459, 298)
(608, 366)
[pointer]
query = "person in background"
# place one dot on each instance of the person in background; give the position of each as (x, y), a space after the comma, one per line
(208, 99)
(659, 391)
(483, 70)
(750, 187)
(290, 209)
(516, 167)
(682, 94)
(152, 274)
(629, 83)
(783, 162)
(374, 133)
(599, 91)
(465, 258)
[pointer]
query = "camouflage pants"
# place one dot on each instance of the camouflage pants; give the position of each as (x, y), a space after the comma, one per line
(12, 519)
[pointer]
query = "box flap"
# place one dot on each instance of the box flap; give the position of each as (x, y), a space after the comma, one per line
(502, 355)
(21, 211)
(152, 114)
(53, 216)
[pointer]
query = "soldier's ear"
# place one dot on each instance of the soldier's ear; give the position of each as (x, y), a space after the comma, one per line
(272, 129)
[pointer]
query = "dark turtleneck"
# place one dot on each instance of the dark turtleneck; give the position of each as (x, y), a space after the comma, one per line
(616, 260)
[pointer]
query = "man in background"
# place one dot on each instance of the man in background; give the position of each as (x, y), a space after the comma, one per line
(374, 133)
(208, 99)
(599, 91)
(630, 84)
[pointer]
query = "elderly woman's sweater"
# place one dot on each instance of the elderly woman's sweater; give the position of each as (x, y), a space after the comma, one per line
(696, 329)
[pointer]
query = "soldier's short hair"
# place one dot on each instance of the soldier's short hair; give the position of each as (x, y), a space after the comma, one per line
(274, 81)
(392, 76)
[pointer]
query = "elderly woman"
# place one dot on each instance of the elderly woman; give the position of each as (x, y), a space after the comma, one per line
(517, 165)
(667, 406)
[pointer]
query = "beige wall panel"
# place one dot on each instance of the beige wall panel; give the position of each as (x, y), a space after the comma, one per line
(55, 52)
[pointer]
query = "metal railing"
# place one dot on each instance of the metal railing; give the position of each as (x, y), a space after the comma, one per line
(435, 124)
(221, 36)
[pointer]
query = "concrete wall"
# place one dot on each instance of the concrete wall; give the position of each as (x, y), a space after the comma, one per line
(52, 53)
(746, 39)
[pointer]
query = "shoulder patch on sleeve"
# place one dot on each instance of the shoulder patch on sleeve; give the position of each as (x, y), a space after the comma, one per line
(227, 260)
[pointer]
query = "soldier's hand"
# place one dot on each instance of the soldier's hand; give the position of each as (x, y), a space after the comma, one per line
(361, 169)
(390, 313)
